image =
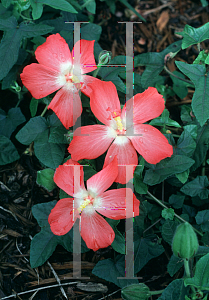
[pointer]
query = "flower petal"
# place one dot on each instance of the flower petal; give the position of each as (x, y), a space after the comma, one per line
(101, 181)
(114, 202)
(147, 105)
(63, 216)
(54, 53)
(40, 80)
(152, 144)
(92, 142)
(104, 100)
(126, 155)
(86, 81)
(86, 50)
(67, 106)
(95, 231)
(65, 174)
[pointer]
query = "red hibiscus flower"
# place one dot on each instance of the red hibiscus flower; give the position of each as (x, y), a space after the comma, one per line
(95, 231)
(94, 140)
(59, 70)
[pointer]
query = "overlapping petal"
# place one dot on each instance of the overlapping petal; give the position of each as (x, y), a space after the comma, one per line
(101, 181)
(67, 106)
(91, 141)
(85, 51)
(95, 231)
(65, 175)
(54, 53)
(85, 88)
(104, 100)
(63, 216)
(151, 143)
(126, 155)
(114, 204)
(146, 106)
(40, 80)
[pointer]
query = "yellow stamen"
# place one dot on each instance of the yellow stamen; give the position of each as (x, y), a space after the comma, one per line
(119, 123)
(85, 203)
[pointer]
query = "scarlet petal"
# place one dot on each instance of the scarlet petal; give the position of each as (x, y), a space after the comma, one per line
(85, 50)
(114, 204)
(126, 155)
(152, 144)
(54, 52)
(95, 231)
(147, 105)
(86, 81)
(65, 174)
(67, 106)
(101, 181)
(40, 80)
(62, 216)
(89, 142)
(104, 100)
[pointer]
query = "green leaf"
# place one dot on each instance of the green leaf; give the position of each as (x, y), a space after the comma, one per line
(174, 291)
(136, 292)
(202, 218)
(168, 230)
(119, 242)
(90, 6)
(91, 31)
(176, 200)
(50, 154)
(154, 63)
(9, 121)
(200, 78)
(193, 35)
(8, 152)
(42, 246)
(6, 3)
(111, 74)
(167, 167)
(185, 145)
(37, 9)
(179, 86)
(197, 187)
(202, 147)
(168, 213)
(174, 265)
(58, 135)
(8, 24)
(201, 276)
(103, 267)
(33, 106)
(32, 130)
(186, 113)
(164, 120)
(45, 179)
(201, 58)
(192, 129)
(33, 30)
(183, 176)
(61, 5)
(41, 212)
(144, 250)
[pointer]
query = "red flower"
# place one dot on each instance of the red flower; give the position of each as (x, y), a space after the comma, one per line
(58, 70)
(96, 139)
(95, 231)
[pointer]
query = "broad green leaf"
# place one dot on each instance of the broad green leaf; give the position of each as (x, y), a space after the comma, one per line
(91, 31)
(174, 265)
(119, 242)
(41, 212)
(45, 179)
(144, 250)
(192, 129)
(154, 63)
(201, 276)
(183, 176)
(139, 186)
(168, 230)
(201, 58)
(6, 3)
(37, 9)
(117, 267)
(186, 114)
(202, 147)
(32, 30)
(50, 154)
(111, 74)
(174, 291)
(202, 250)
(90, 6)
(185, 145)
(168, 213)
(200, 78)
(8, 152)
(8, 24)
(4, 12)
(89, 171)
(179, 86)
(136, 292)
(9, 121)
(193, 35)
(58, 135)
(164, 120)
(176, 201)
(166, 168)
(60, 5)
(33, 106)
(197, 187)
(32, 131)
(202, 218)
(42, 246)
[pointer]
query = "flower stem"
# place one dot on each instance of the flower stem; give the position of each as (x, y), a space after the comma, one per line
(96, 71)
(156, 292)
(177, 216)
(43, 112)
(182, 79)
(187, 271)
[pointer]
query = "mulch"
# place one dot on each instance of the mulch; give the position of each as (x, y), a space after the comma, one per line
(19, 191)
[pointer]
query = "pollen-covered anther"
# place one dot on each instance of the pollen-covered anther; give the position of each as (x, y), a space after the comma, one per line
(86, 202)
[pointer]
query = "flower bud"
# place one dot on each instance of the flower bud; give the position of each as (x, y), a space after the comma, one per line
(104, 57)
(185, 243)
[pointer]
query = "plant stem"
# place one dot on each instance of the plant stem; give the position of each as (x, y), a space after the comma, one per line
(177, 216)
(182, 79)
(45, 109)
(187, 270)
(96, 71)
(156, 292)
